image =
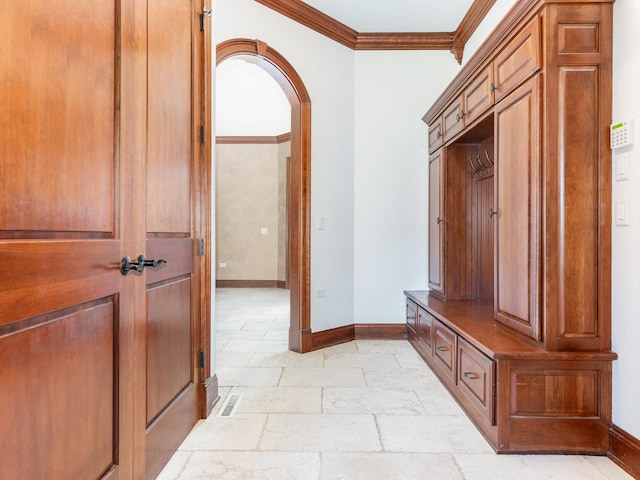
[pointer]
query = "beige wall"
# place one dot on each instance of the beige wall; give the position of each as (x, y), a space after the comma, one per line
(248, 181)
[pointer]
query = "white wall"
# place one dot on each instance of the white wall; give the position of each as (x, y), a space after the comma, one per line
(249, 101)
(326, 68)
(626, 240)
(393, 90)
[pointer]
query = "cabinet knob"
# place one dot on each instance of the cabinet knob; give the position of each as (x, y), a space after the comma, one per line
(438, 220)
(492, 88)
(460, 116)
(492, 212)
(438, 135)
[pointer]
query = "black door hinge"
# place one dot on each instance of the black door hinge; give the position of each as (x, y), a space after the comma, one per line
(202, 358)
(202, 134)
(205, 12)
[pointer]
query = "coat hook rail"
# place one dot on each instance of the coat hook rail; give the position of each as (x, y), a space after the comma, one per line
(486, 154)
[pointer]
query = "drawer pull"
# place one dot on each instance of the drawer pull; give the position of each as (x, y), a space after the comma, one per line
(493, 88)
(470, 376)
(438, 134)
(442, 349)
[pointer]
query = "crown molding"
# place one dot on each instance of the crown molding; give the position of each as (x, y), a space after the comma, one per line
(468, 25)
(314, 19)
(405, 41)
(322, 23)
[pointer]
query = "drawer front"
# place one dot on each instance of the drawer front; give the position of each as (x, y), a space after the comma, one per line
(436, 135)
(453, 118)
(444, 350)
(479, 95)
(521, 58)
(425, 329)
(412, 316)
(476, 378)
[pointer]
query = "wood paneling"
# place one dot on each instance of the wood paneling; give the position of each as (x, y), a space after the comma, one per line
(168, 343)
(58, 118)
(60, 394)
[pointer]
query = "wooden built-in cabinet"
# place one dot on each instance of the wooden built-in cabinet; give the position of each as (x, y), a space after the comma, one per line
(516, 322)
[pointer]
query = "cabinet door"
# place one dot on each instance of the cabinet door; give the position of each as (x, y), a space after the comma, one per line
(436, 223)
(517, 128)
(453, 118)
(436, 137)
(479, 95)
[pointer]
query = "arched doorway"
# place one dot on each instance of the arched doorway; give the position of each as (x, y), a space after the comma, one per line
(262, 55)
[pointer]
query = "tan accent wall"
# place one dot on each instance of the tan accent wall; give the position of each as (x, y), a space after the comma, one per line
(249, 183)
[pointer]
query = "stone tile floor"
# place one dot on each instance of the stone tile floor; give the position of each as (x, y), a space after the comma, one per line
(363, 410)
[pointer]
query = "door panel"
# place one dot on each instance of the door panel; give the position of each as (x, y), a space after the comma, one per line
(171, 403)
(518, 220)
(436, 222)
(60, 393)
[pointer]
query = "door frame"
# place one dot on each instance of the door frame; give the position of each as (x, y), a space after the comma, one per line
(299, 251)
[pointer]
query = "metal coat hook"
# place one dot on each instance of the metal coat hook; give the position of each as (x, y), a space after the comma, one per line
(482, 164)
(486, 154)
(473, 167)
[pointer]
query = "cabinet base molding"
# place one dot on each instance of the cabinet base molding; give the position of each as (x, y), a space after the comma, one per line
(358, 331)
(211, 395)
(624, 450)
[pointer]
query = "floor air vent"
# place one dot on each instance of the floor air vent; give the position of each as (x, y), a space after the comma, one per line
(230, 405)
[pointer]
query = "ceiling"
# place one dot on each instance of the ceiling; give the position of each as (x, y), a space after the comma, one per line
(389, 24)
(395, 15)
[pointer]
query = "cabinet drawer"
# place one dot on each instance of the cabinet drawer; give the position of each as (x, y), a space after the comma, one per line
(453, 118)
(476, 378)
(520, 59)
(444, 350)
(436, 135)
(425, 329)
(412, 317)
(478, 95)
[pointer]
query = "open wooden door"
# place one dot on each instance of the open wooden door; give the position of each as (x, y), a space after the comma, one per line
(98, 160)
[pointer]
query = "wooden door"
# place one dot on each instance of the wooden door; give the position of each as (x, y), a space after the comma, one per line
(79, 141)
(68, 153)
(436, 222)
(171, 233)
(517, 136)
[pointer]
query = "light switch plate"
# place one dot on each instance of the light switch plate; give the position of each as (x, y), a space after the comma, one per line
(622, 166)
(622, 212)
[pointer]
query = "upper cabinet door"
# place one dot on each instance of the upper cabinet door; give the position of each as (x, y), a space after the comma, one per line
(479, 95)
(453, 118)
(517, 137)
(521, 58)
(436, 223)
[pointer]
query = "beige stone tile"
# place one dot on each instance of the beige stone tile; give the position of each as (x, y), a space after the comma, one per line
(248, 377)
(232, 359)
(347, 347)
(410, 360)
(239, 432)
(321, 432)
(279, 399)
(255, 346)
(252, 466)
(175, 466)
(368, 360)
(430, 434)
(438, 401)
(264, 325)
(384, 346)
(371, 400)
(400, 378)
(389, 466)
(278, 335)
(287, 359)
(528, 467)
(322, 377)
(609, 469)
